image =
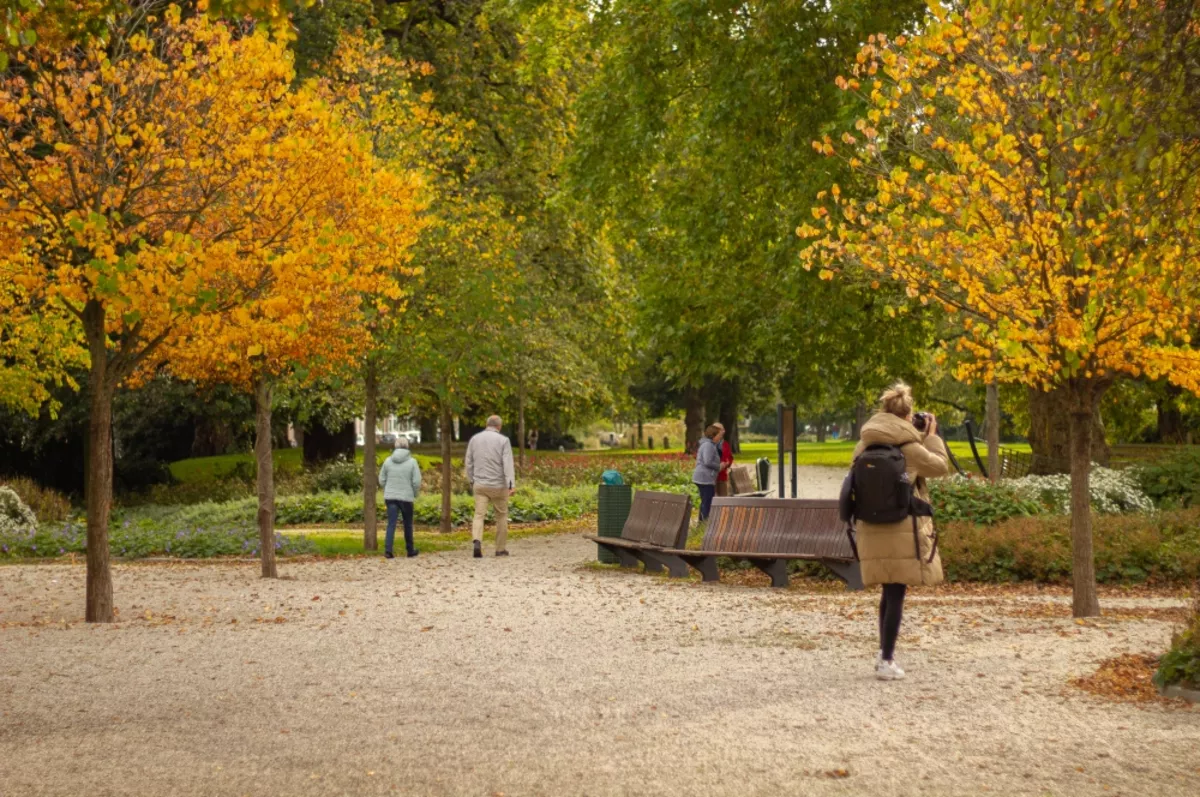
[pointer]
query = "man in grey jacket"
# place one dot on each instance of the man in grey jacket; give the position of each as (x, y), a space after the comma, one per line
(489, 465)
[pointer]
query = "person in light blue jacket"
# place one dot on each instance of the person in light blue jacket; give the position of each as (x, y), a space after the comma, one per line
(708, 465)
(400, 478)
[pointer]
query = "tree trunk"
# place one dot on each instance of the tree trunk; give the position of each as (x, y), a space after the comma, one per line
(1050, 432)
(99, 475)
(266, 476)
(860, 418)
(447, 469)
(992, 422)
(641, 440)
(370, 487)
(521, 425)
(428, 424)
(1170, 419)
(821, 426)
(729, 419)
(693, 420)
(1083, 567)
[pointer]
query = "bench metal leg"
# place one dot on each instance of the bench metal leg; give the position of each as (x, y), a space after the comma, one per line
(623, 555)
(706, 566)
(850, 572)
(652, 565)
(775, 568)
(676, 567)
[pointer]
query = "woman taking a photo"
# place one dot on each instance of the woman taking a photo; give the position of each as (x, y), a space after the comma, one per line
(900, 553)
(708, 465)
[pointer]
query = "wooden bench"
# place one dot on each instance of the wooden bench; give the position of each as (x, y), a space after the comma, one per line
(741, 481)
(769, 533)
(657, 521)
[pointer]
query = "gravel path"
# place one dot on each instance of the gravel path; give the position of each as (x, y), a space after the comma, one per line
(535, 676)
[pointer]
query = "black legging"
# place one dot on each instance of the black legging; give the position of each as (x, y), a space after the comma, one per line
(891, 612)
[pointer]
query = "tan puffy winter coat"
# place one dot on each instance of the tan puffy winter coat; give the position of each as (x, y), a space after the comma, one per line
(888, 552)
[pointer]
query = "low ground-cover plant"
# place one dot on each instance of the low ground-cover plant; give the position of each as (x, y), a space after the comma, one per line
(1162, 547)
(146, 536)
(529, 505)
(1173, 481)
(1181, 664)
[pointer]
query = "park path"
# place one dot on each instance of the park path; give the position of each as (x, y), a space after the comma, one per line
(535, 675)
(812, 481)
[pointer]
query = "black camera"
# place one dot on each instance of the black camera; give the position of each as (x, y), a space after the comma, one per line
(921, 421)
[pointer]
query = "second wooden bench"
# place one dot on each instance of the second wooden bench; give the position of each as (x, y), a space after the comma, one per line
(770, 533)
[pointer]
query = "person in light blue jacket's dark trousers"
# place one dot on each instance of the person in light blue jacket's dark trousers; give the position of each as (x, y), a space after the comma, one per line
(708, 465)
(400, 478)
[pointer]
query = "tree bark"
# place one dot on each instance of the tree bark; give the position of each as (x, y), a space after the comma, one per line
(992, 421)
(860, 418)
(266, 476)
(447, 469)
(428, 424)
(99, 475)
(521, 425)
(729, 419)
(821, 427)
(1085, 603)
(641, 440)
(370, 487)
(693, 420)
(1050, 432)
(1170, 419)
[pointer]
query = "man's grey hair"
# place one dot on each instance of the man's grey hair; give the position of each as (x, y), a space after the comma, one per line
(401, 442)
(494, 422)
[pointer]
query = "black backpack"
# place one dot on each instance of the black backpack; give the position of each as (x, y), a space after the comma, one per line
(882, 490)
(878, 490)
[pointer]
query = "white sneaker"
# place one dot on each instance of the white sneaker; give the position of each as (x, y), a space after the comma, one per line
(888, 671)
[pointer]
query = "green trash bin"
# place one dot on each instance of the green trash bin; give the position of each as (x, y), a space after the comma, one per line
(615, 501)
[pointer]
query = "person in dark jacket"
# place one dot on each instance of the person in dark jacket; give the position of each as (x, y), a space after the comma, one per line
(708, 465)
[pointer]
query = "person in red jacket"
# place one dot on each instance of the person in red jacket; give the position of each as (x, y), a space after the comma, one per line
(726, 464)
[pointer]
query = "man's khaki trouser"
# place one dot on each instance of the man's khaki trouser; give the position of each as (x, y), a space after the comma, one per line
(498, 496)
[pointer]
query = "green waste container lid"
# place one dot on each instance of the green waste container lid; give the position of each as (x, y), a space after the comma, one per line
(611, 477)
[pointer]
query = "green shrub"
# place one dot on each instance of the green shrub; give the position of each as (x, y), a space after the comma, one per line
(50, 506)
(1174, 481)
(668, 469)
(345, 476)
(15, 517)
(1181, 664)
(1162, 547)
(979, 501)
(1111, 491)
(187, 493)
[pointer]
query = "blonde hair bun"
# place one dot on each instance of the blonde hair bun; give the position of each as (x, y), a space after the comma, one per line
(897, 399)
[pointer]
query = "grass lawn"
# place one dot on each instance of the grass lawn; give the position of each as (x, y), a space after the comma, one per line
(349, 542)
(835, 454)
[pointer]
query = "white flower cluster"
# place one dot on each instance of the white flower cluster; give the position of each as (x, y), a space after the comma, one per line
(1113, 491)
(14, 515)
